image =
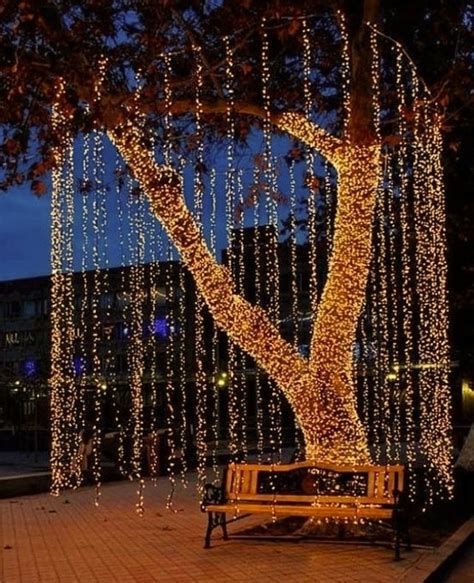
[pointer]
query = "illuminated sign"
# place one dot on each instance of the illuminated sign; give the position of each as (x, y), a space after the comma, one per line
(19, 338)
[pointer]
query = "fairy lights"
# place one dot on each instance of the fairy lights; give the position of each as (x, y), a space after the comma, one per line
(294, 270)
(64, 429)
(240, 276)
(99, 280)
(200, 374)
(311, 201)
(232, 382)
(215, 394)
(171, 353)
(84, 312)
(407, 283)
(370, 213)
(182, 375)
(345, 71)
(152, 356)
(136, 349)
(271, 288)
(434, 392)
(257, 262)
(121, 208)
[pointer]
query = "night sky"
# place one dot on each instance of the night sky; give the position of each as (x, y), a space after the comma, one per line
(24, 234)
(25, 218)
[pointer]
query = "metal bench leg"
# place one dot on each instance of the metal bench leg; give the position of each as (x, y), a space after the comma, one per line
(397, 544)
(224, 526)
(407, 538)
(210, 527)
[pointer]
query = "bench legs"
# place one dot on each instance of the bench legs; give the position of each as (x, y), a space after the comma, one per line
(214, 520)
(224, 526)
(402, 533)
(400, 520)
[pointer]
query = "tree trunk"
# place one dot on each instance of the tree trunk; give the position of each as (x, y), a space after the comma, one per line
(344, 292)
(329, 420)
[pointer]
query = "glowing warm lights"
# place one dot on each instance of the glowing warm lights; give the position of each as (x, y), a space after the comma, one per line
(431, 267)
(199, 374)
(389, 208)
(232, 385)
(64, 431)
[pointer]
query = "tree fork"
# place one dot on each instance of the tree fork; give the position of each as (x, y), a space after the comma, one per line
(331, 427)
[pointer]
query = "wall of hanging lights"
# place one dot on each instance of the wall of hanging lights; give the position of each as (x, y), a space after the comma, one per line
(378, 349)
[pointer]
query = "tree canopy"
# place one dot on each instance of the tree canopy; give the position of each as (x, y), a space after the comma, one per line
(43, 40)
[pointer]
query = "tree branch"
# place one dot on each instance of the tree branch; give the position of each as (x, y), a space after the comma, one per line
(205, 61)
(294, 123)
(248, 325)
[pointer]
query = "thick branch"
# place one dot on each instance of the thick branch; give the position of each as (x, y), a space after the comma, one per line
(248, 325)
(294, 123)
(194, 40)
(344, 292)
(361, 121)
(328, 419)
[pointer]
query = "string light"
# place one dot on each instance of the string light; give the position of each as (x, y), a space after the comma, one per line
(68, 325)
(155, 277)
(95, 318)
(376, 409)
(433, 350)
(395, 173)
(182, 376)
(311, 202)
(270, 242)
(240, 288)
(232, 379)
(215, 405)
(200, 374)
(345, 72)
(294, 270)
(320, 390)
(124, 282)
(392, 385)
(257, 261)
(406, 236)
(63, 418)
(170, 374)
(135, 352)
(84, 312)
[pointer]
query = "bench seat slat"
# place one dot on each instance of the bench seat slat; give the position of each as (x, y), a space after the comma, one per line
(279, 498)
(280, 509)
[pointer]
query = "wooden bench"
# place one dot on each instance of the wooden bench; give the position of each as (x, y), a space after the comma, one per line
(350, 492)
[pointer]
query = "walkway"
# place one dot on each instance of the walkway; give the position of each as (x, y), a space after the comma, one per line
(69, 539)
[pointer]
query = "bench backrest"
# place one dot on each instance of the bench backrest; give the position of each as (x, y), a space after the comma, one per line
(284, 483)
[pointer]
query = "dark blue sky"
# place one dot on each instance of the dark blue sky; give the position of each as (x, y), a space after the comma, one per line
(24, 234)
(25, 219)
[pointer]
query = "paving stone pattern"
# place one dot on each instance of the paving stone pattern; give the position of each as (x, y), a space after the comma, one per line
(68, 539)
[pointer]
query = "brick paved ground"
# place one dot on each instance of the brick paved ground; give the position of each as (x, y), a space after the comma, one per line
(68, 539)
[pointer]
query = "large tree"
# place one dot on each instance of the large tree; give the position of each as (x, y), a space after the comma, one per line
(82, 57)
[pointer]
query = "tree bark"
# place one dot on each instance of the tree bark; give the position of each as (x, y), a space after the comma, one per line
(330, 424)
(320, 390)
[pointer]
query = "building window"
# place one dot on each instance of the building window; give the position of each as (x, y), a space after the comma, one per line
(122, 331)
(31, 308)
(14, 309)
(107, 300)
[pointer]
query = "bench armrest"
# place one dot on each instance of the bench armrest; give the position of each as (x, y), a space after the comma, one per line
(212, 495)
